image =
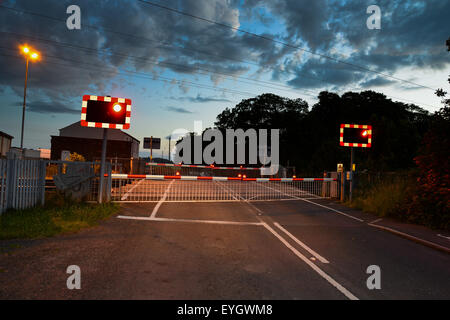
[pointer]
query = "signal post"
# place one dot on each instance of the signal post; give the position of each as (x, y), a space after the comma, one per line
(354, 136)
(107, 113)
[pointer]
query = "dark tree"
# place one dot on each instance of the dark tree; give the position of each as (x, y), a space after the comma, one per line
(430, 203)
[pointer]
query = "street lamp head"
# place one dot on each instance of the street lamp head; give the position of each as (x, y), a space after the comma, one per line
(29, 52)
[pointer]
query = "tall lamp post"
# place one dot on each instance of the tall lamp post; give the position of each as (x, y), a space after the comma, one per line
(33, 55)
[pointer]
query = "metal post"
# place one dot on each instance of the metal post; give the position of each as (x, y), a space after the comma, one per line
(24, 104)
(170, 138)
(151, 149)
(351, 173)
(102, 166)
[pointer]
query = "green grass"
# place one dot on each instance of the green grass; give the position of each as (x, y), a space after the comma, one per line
(384, 199)
(58, 216)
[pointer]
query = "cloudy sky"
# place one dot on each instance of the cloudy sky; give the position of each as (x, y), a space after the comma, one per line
(179, 68)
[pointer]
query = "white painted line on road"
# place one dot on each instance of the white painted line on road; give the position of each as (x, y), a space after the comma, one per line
(125, 196)
(243, 223)
(320, 205)
(304, 246)
(375, 221)
(440, 235)
(239, 223)
(171, 201)
(324, 275)
(156, 208)
(227, 189)
(329, 208)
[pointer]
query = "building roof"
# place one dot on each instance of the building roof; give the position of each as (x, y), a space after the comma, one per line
(2, 134)
(76, 130)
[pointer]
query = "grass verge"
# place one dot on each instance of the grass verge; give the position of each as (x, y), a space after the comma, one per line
(57, 216)
(383, 198)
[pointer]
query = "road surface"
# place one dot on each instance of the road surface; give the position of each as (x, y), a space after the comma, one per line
(298, 249)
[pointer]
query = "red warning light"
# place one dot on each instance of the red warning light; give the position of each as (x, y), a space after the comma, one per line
(355, 135)
(105, 112)
(117, 107)
(178, 173)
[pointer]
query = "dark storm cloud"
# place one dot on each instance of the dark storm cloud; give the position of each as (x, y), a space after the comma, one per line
(200, 99)
(142, 37)
(178, 110)
(376, 82)
(49, 107)
(413, 35)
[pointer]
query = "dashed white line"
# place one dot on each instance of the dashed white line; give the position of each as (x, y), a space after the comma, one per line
(304, 246)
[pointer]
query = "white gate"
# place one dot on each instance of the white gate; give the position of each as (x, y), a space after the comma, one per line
(22, 183)
(150, 188)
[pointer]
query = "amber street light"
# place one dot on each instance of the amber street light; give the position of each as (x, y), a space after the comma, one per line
(29, 53)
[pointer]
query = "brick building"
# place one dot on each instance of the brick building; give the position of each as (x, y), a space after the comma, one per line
(88, 142)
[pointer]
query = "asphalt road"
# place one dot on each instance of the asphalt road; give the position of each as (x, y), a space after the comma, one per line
(300, 249)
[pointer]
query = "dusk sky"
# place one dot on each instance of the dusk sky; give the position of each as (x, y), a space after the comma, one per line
(177, 68)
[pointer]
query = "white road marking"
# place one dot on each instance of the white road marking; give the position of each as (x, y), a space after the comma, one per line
(156, 208)
(170, 201)
(375, 221)
(337, 211)
(243, 223)
(228, 189)
(320, 205)
(440, 235)
(125, 196)
(304, 246)
(324, 275)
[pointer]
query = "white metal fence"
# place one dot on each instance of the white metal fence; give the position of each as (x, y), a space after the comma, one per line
(126, 188)
(22, 183)
(210, 171)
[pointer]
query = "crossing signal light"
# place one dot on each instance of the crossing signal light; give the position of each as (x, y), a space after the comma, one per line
(105, 112)
(355, 135)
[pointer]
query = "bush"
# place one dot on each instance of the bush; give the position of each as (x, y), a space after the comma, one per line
(430, 203)
(405, 197)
